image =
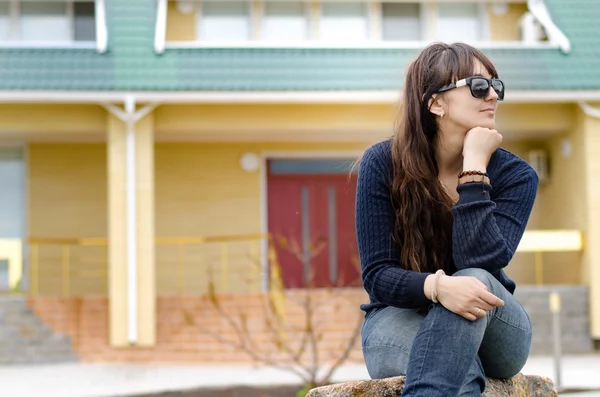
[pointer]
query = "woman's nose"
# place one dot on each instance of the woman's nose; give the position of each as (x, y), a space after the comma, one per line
(492, 95)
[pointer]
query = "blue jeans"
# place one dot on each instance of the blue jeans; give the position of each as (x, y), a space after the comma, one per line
(444, 354)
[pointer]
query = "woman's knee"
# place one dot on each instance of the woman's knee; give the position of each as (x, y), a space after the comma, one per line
(482, 275)
(385, 361)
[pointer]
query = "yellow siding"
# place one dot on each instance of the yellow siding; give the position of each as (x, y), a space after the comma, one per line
(202, 190)
(48, 120)
(68, 198)
(506, 27)
(180, 27)
(335, 122)
(591, 265)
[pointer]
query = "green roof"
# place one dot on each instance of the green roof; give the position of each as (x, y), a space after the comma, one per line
(130, 63)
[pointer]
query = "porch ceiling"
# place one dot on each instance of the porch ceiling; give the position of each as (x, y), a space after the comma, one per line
(258, 123)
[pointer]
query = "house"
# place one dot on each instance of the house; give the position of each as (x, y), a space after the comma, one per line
(148, 146)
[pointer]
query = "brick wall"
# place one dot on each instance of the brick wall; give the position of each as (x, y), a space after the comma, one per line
(184, 324)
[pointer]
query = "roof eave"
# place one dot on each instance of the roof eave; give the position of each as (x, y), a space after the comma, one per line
(268, 97)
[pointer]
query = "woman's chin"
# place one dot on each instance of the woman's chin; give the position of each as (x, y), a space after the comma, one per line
(491, 124)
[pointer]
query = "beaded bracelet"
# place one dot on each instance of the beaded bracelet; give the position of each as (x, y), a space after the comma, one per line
(472, 172)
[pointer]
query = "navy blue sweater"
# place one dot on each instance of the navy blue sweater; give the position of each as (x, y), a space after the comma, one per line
(486, 231)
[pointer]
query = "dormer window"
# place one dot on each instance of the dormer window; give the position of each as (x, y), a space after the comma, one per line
(224, 21)
(401, 22)
(460, 22)
(55, 21)
(52, 22)
(285, 21)
(344, 21)
(351, 23)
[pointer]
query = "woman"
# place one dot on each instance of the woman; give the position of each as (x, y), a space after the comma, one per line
(440, 211)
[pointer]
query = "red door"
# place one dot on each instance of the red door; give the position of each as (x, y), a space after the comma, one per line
(311, 220)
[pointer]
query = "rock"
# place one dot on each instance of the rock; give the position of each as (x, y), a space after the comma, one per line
(518, 386)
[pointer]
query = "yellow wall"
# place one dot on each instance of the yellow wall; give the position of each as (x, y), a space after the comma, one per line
(202, 190)
(50, 120)
(180, 27)
(68, 198)
(333, 122)
(591, 264)
(506, 27)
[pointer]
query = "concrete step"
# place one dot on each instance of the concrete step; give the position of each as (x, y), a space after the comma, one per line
(26, 339)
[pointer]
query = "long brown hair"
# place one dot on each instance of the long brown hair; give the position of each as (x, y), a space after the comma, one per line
(423, 209)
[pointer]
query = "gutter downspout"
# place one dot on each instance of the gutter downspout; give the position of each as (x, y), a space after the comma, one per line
(130, 117)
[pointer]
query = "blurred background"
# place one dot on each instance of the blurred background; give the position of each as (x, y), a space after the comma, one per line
(177, 184)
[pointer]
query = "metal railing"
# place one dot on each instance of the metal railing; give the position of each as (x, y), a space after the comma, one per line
(74, 267)
(186, 265)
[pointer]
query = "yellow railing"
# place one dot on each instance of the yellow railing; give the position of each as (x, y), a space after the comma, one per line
(186, 265)
(70, 267)
(231, 263)
(63, 260)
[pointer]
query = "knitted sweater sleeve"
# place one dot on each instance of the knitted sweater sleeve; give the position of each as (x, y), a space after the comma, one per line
(383, 278)
(487, 230)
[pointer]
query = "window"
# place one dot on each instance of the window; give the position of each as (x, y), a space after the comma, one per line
(284, 21)
(459, 22)
(85, 21)
(346, 22)
(4, 21)
(44, 21)
(224, 20)
(400, 21)
(48, 21)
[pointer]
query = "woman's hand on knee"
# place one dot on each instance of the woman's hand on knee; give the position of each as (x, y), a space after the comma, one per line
(466, 296)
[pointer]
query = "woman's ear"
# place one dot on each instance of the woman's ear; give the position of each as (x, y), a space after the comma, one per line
(436, 105)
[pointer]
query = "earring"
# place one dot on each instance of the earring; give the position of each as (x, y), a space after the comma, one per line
(442, 115)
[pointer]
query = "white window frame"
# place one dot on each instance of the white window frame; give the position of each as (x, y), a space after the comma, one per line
(260, 16)
(482, 15)
(424, 15)
(100, 44)
(369, 35)
(428, 13)
(252, 20)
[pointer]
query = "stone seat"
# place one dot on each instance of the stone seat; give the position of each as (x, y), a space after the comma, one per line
(518, 386)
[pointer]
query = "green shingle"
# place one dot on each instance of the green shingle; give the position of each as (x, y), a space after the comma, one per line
(131, 64)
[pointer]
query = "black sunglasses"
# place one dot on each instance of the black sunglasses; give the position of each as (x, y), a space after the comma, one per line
(480, 86)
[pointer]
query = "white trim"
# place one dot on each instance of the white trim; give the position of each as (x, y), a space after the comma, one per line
(388, 96)
(516, 45)
(130, 116)
(71, 17)
(425, 12)
(14, 29)
(49, 44)
(539, 10)
(101, 29)
(100, 44)
(264, 222)
(132, 265)
(589, 110)
(160, 31)
(264, 202)
(484, 33)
